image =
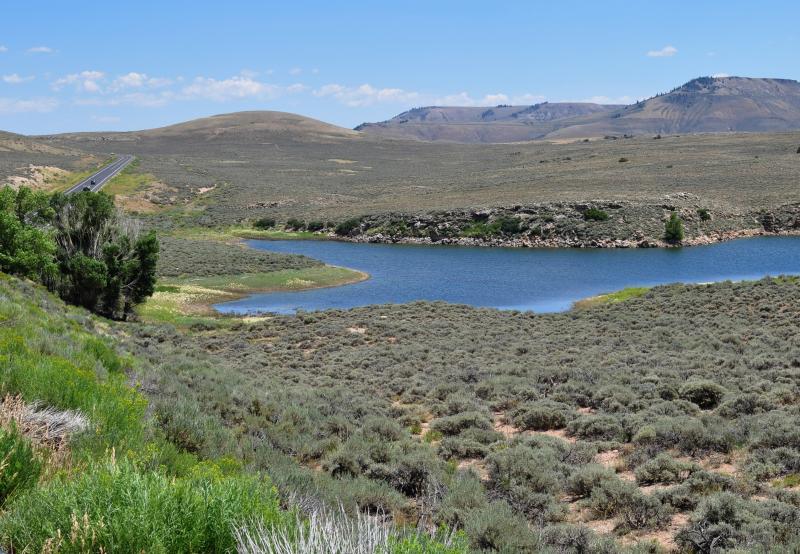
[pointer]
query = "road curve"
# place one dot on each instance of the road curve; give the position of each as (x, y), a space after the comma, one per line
(96, 181)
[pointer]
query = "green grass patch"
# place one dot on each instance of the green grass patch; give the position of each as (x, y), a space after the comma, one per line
(128, 181)
(612, 297)
(275, 234)
(788, 481)
(188, 301)
(114, 507)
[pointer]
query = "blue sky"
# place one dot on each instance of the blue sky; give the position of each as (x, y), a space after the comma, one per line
(91, 65)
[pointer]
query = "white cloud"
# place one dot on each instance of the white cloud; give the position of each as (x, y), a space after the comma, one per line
(295, 71)
(134, 80)
(666, 52)
(3, 48)
(367, 95)
(610, 100)
(85, 80)
(720, 75)
(15, 79)
(40, 105)
(40, 50)
(227, 89)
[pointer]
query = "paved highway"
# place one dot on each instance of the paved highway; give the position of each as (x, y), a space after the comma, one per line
(95, 182)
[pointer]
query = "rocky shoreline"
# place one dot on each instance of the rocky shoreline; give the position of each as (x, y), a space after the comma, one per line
(563, 242)
(565, 225)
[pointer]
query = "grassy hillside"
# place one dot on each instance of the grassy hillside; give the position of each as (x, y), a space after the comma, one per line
(87, 465)
(665, 416)
(234, 177)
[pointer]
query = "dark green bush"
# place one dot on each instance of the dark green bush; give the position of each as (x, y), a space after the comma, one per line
(264, 223)
(294, 224)
(673, 229)
(705, 394)
(595, 214)
(347, 227)
(315, 226)
(704, 214)
(509, 225)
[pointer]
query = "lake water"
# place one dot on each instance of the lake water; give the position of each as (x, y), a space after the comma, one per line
(541, 280)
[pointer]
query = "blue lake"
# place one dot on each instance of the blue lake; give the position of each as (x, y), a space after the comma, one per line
(540, 280)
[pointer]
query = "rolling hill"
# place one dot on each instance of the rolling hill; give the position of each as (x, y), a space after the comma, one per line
(703, 105)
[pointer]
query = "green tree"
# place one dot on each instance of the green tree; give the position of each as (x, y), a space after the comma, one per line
(25, 250)
(673, 230)
(107, 265)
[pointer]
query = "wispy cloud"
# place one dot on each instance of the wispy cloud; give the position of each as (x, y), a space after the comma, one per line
(610, 99)
(666, 52)
(16, 79)
(40, 50)
(88, 81)
(295, 71)
(3, 49)
(368, 95)
(27, 105)
(720, 75)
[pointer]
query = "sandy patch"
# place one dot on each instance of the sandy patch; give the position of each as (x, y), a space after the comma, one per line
(342, 162)
(36, 177)
(664, 537)
(357, 330)
(203, 190)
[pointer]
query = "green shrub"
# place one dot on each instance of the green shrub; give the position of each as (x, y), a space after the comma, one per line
(584, 480)
(294, 224)
(595, 214)
(347, 227)
(509, 225)
(20, 467)
(705, 394)
(624, 500)
(597, 427)
(704, 214)
(455, 424)
(315, 226)
(664, 469)
(497, 528)
(264, 223)
(541, 416)
(116, 508)
(673, 229)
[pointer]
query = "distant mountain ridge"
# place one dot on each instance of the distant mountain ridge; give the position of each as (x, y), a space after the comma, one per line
(702, 105)
(484, 124)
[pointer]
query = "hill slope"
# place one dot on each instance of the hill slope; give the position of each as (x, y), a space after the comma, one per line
(246, 126)
(703, 105)
(476, 124)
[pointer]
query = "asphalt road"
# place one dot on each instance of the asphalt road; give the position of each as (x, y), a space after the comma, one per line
(95, 182)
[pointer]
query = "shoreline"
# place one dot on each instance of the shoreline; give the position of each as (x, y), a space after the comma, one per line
(559, 242)
(196, 297)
